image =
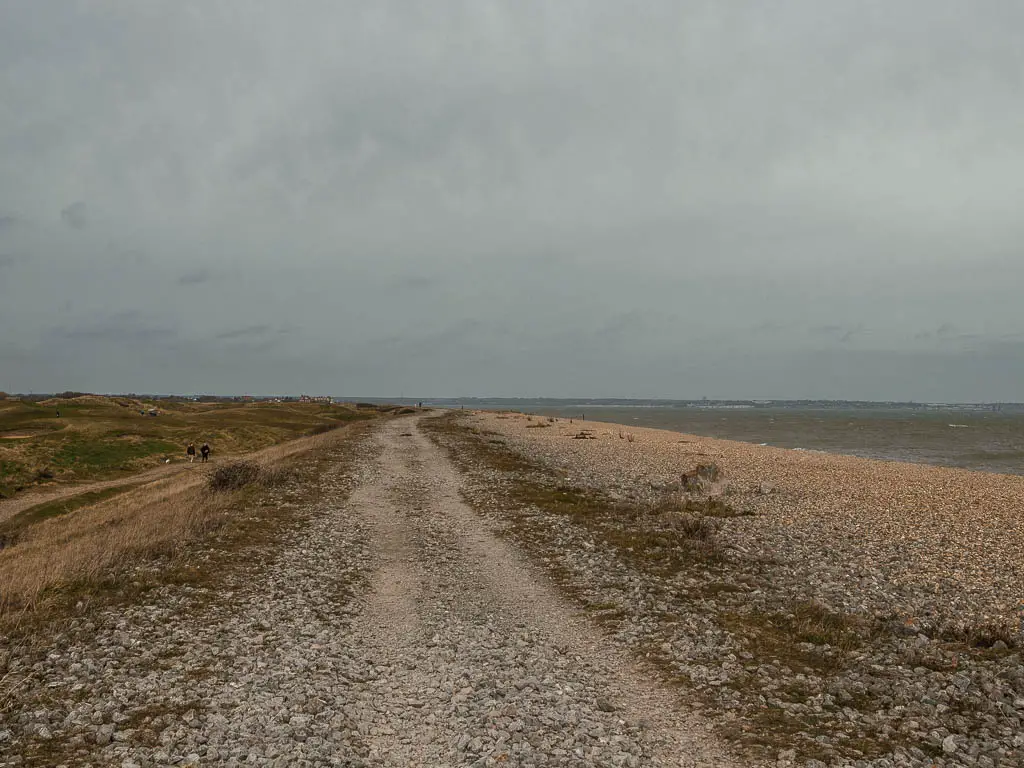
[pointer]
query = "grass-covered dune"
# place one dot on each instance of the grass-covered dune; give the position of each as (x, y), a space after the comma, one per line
(98, 438)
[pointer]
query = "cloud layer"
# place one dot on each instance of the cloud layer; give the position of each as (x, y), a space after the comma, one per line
(589, 199)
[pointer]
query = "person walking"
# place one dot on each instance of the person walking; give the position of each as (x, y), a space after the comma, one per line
(205, 450)
(190, 451)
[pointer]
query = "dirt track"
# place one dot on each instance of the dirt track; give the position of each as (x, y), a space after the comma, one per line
(394, 629)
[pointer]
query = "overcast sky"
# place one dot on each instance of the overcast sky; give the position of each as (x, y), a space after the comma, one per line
(661, 199)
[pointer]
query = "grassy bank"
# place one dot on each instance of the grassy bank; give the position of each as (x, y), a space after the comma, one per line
(97, 438)
(58, 555)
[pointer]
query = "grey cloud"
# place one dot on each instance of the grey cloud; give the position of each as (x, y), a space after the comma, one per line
(248, 331)
(948, 334)
(128, 328)
(574, 200)
(414, 282)
(256, 333)
(75, 215)
(851, 333)
(840, 333)
(196, 277)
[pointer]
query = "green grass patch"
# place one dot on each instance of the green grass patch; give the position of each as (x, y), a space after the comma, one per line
(108, 454)
(8, 469)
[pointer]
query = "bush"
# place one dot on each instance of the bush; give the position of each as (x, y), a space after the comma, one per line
(231, 477)
(321, 429)
(700, 478)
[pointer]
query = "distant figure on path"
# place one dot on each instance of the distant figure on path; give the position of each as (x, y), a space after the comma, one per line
(58, 413)
(205, 450)
(190, 451)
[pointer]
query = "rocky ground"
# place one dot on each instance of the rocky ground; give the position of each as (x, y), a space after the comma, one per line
(389, 627)
(827, 610)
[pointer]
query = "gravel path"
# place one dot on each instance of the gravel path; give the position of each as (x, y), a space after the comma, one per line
(393, 629)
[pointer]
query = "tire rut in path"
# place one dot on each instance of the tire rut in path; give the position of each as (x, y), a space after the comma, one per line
(473, 659)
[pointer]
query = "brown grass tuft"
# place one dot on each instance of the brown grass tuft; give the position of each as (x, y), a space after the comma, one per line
(234, 476)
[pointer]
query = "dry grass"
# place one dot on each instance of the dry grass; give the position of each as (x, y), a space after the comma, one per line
(94, 546)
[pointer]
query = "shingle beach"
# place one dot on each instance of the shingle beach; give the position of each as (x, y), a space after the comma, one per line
(822, 609)
(945, 540)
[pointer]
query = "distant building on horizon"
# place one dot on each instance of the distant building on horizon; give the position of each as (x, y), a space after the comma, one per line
(323, 399)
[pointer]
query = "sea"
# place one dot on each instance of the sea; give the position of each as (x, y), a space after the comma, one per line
(971, 439)
(987, 438)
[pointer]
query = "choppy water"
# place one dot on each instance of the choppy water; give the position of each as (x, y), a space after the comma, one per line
(986, 441)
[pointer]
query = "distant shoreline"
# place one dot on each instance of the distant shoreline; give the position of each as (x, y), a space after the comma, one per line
(991, 442)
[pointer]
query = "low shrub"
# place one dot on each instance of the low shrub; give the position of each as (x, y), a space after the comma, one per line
(321, 429)
(231, 477)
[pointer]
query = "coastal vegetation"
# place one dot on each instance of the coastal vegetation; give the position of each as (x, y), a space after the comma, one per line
(86, 437)
(93, 499)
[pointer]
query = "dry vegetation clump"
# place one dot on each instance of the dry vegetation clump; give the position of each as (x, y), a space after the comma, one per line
(277, 477)
(321, 429)
(239, 474)
(701, 478)
(704, 506)
(811, 622)
(999, 636)
(234, 476)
